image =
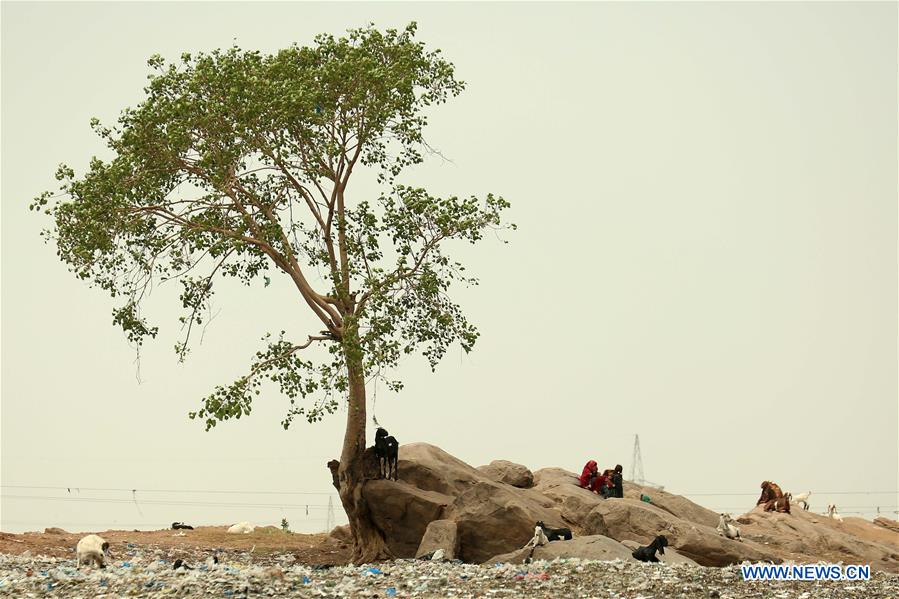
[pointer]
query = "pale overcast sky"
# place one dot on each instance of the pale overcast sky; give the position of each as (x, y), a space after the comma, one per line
(706, 197)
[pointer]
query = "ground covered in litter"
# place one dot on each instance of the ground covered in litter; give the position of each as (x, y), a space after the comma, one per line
(149, 573)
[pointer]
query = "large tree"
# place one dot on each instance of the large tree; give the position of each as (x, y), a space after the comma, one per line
(237, 164)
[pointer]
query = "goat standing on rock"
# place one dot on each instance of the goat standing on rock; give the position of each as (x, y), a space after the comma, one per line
(802, 499)
(387, 449)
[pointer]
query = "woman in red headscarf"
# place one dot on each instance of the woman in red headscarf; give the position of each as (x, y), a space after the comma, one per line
(589, 475)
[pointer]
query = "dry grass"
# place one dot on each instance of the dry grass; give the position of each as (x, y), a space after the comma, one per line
(308, 548)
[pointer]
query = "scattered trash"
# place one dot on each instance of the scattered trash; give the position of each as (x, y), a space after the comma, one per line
(153, 574)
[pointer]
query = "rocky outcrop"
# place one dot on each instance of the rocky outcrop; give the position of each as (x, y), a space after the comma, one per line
(510, 473)
(804, 536)
(887, 523)
(492, 519)
(440, 534)
(563, 489)
(403, 512)
(633, 520)
(675, 505)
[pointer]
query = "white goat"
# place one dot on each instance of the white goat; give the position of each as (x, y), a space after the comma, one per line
(91, 550)
(538, 539)
(832, 513)
(802, 498)
(727, 529)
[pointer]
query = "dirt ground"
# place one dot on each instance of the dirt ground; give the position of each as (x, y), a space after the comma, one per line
(311, 549)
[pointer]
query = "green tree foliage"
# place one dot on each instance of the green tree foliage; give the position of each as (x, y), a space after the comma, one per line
(237, 164)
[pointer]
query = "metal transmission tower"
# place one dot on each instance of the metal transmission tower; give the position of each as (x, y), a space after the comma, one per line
(637, 475)
(329, 523)
(637, 463)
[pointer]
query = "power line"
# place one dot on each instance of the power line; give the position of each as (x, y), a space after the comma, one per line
(117, 523)
(707, 494)
(162, 502)
(197, 491)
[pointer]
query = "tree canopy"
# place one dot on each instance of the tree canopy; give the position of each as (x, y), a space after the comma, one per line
(237, 164)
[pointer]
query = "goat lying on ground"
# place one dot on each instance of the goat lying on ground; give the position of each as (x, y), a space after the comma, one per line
(726, 527)
(91, 550)
(648, 554)
(387, 450)
(179, 526)
(537, 540)
(802, 499)
(554, 534)
(832, 513)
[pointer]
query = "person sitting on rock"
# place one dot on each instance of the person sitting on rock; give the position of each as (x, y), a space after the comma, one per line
(588, 477)
(606, 486)
(770, 492)
(618, 482)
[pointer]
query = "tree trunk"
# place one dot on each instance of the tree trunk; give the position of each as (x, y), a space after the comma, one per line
(369, 544)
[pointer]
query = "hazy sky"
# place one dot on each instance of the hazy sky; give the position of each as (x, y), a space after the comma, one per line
(706, 197)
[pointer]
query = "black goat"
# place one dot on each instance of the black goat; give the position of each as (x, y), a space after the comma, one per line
(180, 526)
(387, 450)
(555, 534)
(648, 554)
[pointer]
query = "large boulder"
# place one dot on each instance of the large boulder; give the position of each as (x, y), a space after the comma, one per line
(491, 517)
(429, 468)
(595, 547)
(675, 505)
(510, 473)
(563, 488)
(403, 512)
(494, 518)
(440, 534)
(629, 519)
